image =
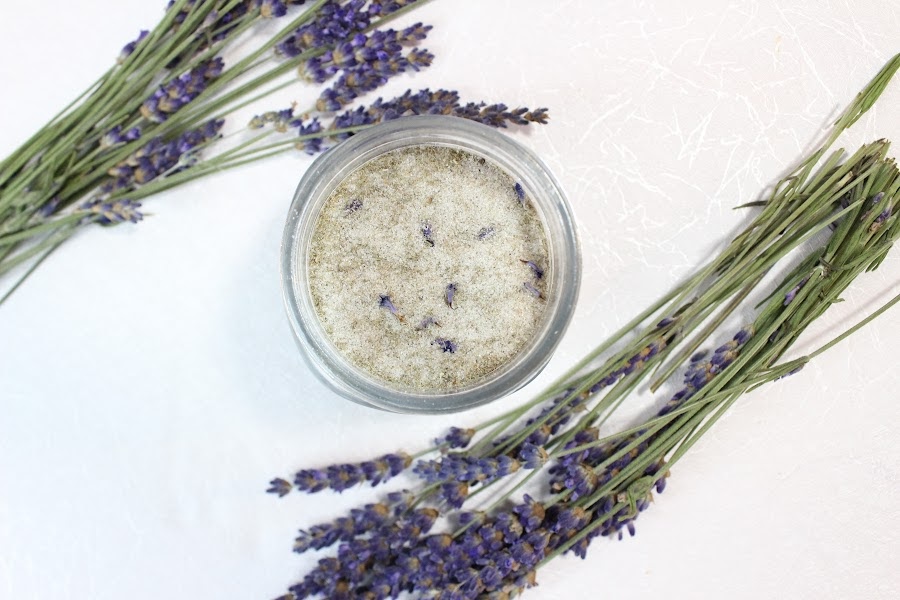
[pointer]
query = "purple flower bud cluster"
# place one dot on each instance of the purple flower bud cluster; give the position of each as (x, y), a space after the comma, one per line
(336, 22)
(491, 557)
(368, 76)
(381, 565)
(107, 212)
(439, 102)
(333, 23)
(284, 120)
(360, 522)
(446, 345)
(314, 138)
(373, 49)
(130, 47)
(634, 363)
(460, 467)
(116, 136)
(177, 92)
(701, 370)
(281, 120)
(532, 456)
(159, 158)
(456, 438)
(342, 477)
(792, 293)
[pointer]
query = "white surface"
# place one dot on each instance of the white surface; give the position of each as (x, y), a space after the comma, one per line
(150, 386)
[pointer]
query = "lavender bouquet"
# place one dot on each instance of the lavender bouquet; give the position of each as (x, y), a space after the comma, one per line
(156, 119)
(497, 501)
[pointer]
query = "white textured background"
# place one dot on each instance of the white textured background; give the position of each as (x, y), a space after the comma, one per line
(149, 385)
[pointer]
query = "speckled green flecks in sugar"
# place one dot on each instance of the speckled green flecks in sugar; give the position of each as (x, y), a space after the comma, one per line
(369, 243)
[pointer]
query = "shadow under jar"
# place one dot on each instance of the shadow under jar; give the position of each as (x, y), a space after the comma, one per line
(429, 265)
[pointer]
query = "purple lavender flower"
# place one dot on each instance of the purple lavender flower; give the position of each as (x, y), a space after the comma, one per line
(130, 47)
(116, 136)
(880, 219)
(270, 9)
(454, 493)
(49, 207)
(789, 373)
(332, 24)
(179, 91)
(423, 102)
(427, 233)
(532, 456)
(281, 120)
(445, 345)
(365, 77)
(450, 294)
(311, 140)
(792, 293)
(342, 477)
(520, 192)
(159, 158)
(700, 371)
(279, 486)
(459, 467)
(532, 290)
(362, 49)
(536, 270)
(698, 356)
(113, 212)
(361, 521)
(456, 438)
(384, 301)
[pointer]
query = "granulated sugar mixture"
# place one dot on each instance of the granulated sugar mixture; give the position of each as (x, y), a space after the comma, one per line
(428, 268)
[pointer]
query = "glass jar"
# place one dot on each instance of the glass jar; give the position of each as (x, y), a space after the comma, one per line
(548, 200)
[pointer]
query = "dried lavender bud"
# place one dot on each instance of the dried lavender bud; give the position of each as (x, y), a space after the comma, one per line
(180, 90)
(532, 290)
(445, 344)
(789, 297)
(353, 206)
(449, 294)
(111, 213)
(456, 438)
(344, 476)
(427, 322)
(426, 233)
(520, 193)
(538, 272)
(279, 486)
(789, 373)
(384, 301)
(485, 233)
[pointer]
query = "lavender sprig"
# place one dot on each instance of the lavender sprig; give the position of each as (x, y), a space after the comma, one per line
(598, 486)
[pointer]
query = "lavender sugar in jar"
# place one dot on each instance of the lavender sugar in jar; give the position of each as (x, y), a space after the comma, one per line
(429, 265)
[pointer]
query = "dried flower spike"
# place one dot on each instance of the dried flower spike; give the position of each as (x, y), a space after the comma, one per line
(450, 294)
(538, 272)
(384, 301)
